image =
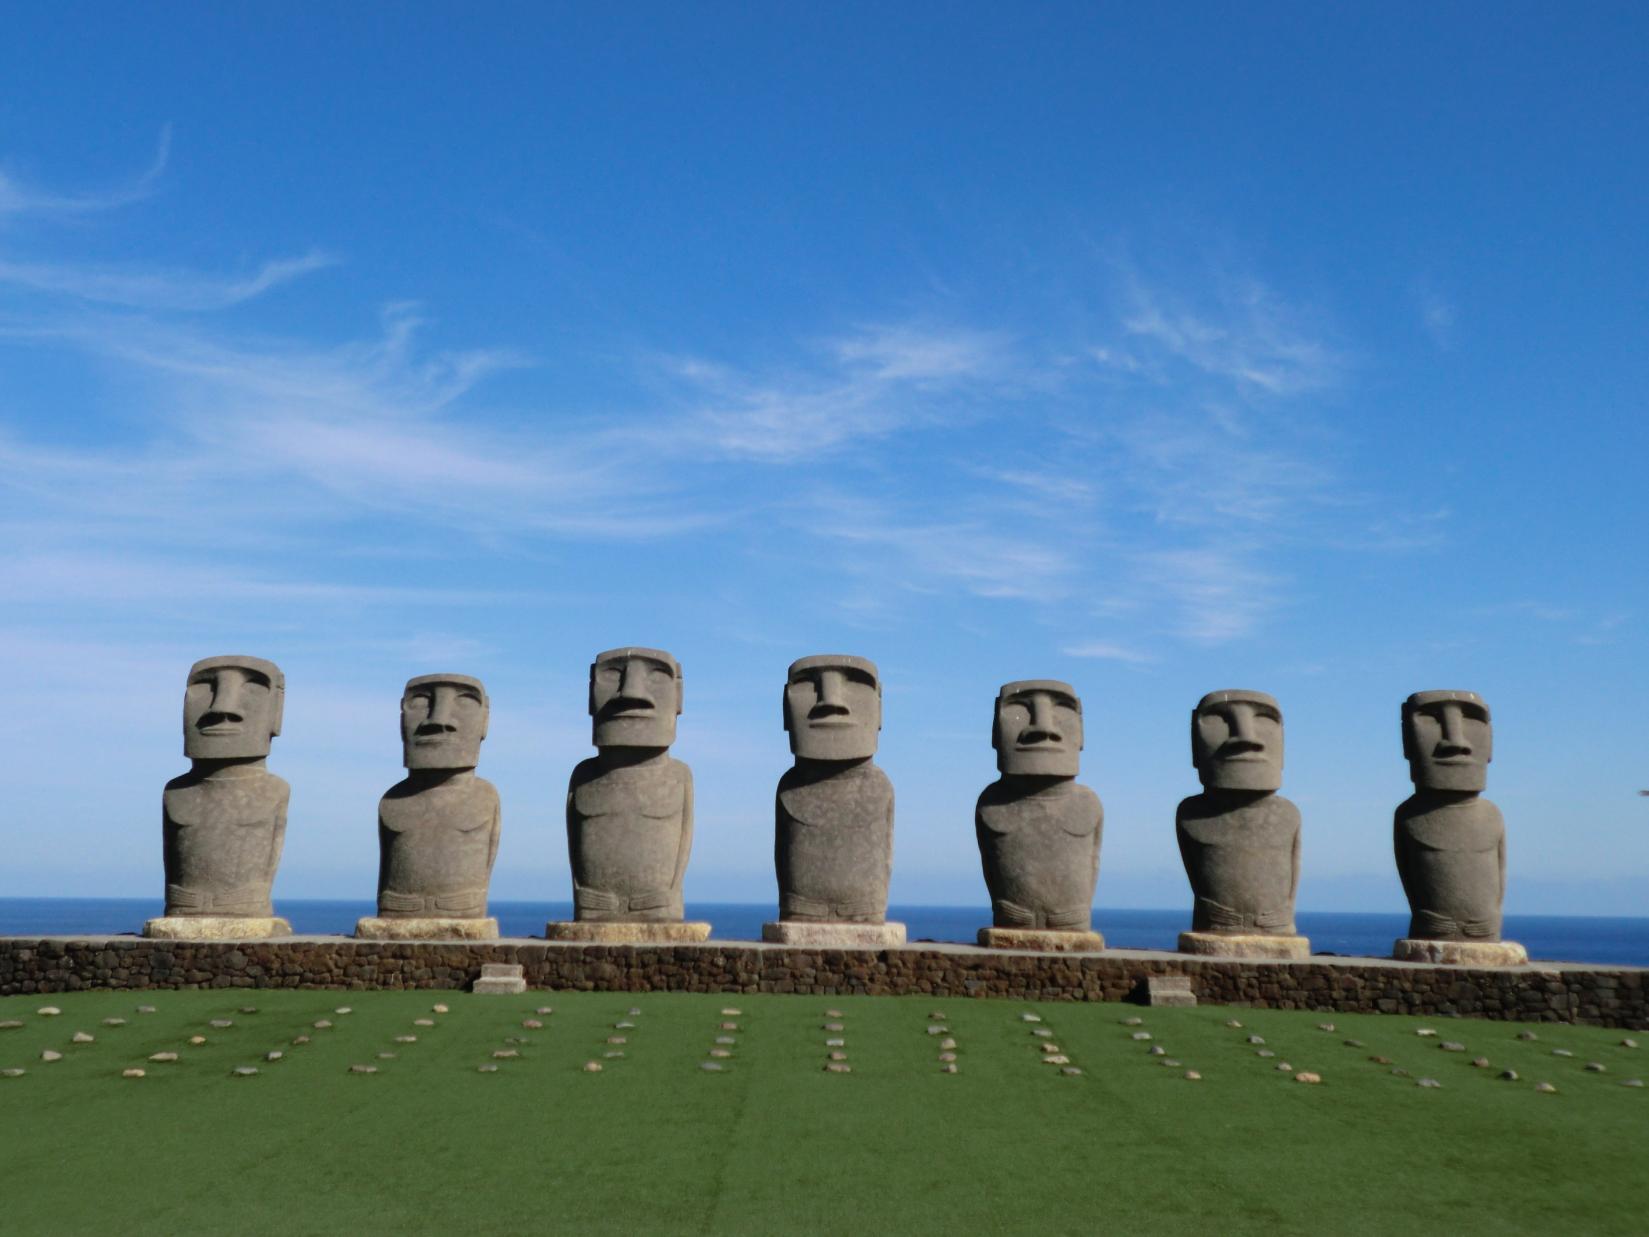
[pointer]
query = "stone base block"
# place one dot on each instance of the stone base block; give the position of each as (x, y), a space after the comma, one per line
(1044, 940)
(834, 935)
(375, 929)
(1460, 953)
(1169, 990)
(215, 928)
(643, 932)
(1243, 945)
(501, 979)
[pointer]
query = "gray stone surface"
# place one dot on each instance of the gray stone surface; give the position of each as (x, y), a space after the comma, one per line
(833, 843)
(1038, 831)
(224, 821)
(500, 979)
(438, 828)
(1450, 843)
(630, 807)
(1240, 839)
(1173, 990)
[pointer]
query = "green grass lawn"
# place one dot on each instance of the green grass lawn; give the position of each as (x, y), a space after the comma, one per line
(775, 1144)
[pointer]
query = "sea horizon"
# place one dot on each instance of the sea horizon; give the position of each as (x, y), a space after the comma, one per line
(1594, 939)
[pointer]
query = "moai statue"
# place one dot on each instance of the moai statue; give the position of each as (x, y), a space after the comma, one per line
(438, 827)
(833, 842)
(1451, 842)
(1239, 838)
(1038, 830)
(630, 807)
(224, 821)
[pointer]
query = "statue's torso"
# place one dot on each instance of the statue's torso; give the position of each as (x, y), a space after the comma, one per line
(1040, 849)
(834, 844)
(222, 843)
(1240, 861)
(627, 828)
(1449, 856)
(438, 844)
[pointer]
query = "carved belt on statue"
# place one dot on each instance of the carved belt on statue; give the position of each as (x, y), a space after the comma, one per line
(587, 899)
(796, 906)
(1012, 915)
(247, 900)
(1435, 927)
(458, 904)
(1225, 919)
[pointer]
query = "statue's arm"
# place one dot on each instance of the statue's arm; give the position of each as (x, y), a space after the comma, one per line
(1399, 849)
(1500, 856)
(386, 839)
(495, 832)
(685, 847)
(278, 841)
(980, 834)
(1294, 877)
(1099, 834)
(168, 845)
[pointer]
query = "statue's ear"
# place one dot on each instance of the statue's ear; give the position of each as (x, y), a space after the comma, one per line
(279, 711)
(1408, 731)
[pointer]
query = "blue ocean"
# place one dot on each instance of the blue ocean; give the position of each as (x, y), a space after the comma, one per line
(1552, 938)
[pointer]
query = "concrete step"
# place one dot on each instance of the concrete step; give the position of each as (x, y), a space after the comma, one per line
(1169, 990)
(501, 979)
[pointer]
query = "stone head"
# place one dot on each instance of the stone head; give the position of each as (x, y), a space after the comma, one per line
(443, 720)
(1237, 741)
(1038, 728)
(635, 698)
(833, 707)
(1447, 740)
(232, 707)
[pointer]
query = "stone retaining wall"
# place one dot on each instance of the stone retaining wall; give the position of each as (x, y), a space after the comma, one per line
(1608, 996)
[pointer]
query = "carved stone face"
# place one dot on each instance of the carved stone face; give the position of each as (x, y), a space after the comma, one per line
(1447, 740)
(1237, 741)
(443, 720)
(232, 707)
(635, 697)
(833, 707)
(1038, 728)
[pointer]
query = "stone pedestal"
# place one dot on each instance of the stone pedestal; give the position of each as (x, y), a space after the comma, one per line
(1173, 990)
(215, 928)
(834, 935)
(1243, 945)
(500, 979)
(656, 932)
(374, 928)
(1045, 940)
(1460, 953)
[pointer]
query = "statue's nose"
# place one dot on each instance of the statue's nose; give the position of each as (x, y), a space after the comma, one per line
(228, 695)
(1244, 737)
(633, 686)
(1453, 740)
(440, 712)
(1042, 728)
(831, 691)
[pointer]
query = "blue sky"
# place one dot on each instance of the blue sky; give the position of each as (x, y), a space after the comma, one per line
(1156, 350)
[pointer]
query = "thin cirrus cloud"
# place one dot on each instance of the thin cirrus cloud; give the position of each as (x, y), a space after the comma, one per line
(162, 290)
(20, 197)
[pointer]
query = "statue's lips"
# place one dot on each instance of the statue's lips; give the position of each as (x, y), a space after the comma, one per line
(1450, 762)
(1244, 759)
(214, 731)
(832, 725)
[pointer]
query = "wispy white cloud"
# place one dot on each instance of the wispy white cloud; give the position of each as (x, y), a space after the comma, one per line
(1105, 650)
(164, 290)
(19, 197)
(873, 383)
(1239, 332)
(1216, 594)
(1438, 315)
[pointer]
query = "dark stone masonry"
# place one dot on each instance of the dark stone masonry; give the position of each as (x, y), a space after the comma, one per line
(1551, 992)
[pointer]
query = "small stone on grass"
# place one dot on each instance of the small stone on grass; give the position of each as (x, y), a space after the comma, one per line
(486, 1069)
(949, 1067)
(1527, 1035)
(1191, 1075)
(838, 1067)
(1562, 1052)
(1071, 1071)
(1264, 1052)
(730, 1012)
(80, 1037)
(1596, 1067)
(1171, 1063)
(1307, 1076)
(48, 1011)
(343, 1010)
(1427, 1082)
(11, 1024)
(1424, 1031)
(363, 1069)
(441, 1009)
(1481, 1062)
(1545, 1088)
(712, 1067)
(244, 1071)
(1256, 1039)
(1057, 1058)
(273, 1056)
(162, 1056)
(534, 1024)
(114, 1022)
(1133, 1022)
(145, 1009)
(131, 1073)
(1632, 1082)
(1283, 1067)
(197, 1040)
(1450, 1045)
(300, 1040)
(12, 1073)
(1355, 1043)
(836, 1042)
(1030, 1018)
(1325, 1026)
(1508, 1075)
(1142, 1036)
(322, 1025)
(719, 1052)
(423, 1022)
(49, 1055)
(406, 1039)
(1628, 1043)
(1232, 1022)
